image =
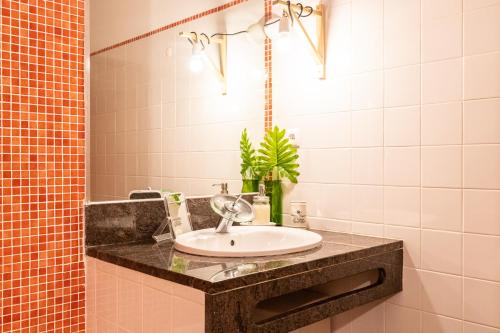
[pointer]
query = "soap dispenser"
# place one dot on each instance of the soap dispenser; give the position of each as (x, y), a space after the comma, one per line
(261, 207)
(223, 188)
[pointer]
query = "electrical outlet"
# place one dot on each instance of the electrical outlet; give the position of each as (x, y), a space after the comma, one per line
(293, 137)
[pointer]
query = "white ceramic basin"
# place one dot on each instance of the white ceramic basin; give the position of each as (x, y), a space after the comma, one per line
(247, 241)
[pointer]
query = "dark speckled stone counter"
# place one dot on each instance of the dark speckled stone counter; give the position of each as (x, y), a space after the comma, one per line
(213, 275)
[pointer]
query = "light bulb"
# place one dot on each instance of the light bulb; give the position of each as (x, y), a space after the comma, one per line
(279, 29)
(258, 75)
(284, 43)
(284, 24)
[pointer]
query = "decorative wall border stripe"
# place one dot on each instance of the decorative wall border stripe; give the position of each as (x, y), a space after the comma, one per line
(171, 25)
(268, 65)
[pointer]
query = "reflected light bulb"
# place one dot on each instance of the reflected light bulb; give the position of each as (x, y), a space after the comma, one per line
(195, 63)
(196, 60)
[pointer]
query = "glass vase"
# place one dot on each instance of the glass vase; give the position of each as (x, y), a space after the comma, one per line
(250, 185)
(275, 193)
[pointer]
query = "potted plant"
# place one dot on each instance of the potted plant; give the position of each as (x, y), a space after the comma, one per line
(249, 165)
(277, 159)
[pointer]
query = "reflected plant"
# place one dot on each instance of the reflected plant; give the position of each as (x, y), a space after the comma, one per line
(249, 165)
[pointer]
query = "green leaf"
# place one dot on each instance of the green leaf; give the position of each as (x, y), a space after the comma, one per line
(249, 163)
(277, 156)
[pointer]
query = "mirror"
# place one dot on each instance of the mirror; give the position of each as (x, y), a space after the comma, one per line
(153, 121)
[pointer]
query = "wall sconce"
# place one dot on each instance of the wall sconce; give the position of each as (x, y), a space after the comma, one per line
(198, 56)
(291, 14)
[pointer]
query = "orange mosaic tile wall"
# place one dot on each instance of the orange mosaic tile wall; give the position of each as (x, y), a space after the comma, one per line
(42, 166)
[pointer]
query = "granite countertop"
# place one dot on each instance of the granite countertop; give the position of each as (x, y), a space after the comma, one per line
(213, 275)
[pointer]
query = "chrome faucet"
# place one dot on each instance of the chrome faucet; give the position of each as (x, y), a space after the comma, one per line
(226, 221)
(231, 209)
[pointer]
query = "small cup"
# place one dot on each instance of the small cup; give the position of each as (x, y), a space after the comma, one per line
(298, 210)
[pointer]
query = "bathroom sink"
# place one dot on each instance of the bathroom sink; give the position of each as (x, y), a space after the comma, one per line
(247, 241)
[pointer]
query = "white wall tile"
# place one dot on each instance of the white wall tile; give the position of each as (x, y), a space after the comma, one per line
(482, 121)
(187, 316)
(482, 30)
(336, 202)
(478, 263)
(442, 166)
(368, 229)
(411, 239)
(368, 90)
(441, 29)
(402, 126)
(476, 328)
(477, 294)
(401, 32)
(481, 165)
(401, 319)
(326, 165)
(442, 209)
(367, 203)
(106, 295)
(410, 296)
(367, 128)
(442, 124)
(482, 211)
(442, 251)
(441, 294)
(329, 224)
(321, 131)
(475, 4)
(402, 206)
(402, 86)
(129, 305)
(367, 35)
(440, 324)
(402, 166)
(442, 81)
(367, 317)
(361, 157)
(191, 294)
(157, 314)
(482, 76)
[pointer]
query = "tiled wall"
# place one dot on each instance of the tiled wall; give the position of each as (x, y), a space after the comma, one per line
(42, 140)
(403, 140)
(123, 300)
(155, 123)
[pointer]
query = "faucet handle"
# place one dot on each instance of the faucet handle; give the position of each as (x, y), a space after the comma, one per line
(223, 188)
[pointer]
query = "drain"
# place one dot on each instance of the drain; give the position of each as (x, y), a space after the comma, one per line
(232, 242)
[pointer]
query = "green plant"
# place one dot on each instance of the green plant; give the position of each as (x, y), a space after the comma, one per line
(277, 157)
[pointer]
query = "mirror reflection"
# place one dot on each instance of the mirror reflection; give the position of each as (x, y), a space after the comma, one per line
(161, 117)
